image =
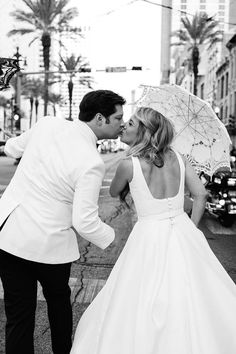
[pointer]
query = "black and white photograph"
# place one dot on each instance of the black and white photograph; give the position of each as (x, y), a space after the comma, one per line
(117, 177)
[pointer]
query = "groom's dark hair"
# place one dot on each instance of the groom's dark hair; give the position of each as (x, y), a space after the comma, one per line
(99, 101)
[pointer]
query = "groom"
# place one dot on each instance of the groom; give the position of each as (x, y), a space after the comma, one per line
(54, 191)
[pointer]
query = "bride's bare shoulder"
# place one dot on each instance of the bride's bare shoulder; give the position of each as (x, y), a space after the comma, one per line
(125, 168)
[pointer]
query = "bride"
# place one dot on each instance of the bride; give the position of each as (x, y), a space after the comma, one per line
(167, 293)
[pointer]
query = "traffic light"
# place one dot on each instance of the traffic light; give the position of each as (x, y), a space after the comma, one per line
(84, 70)
(16, 116)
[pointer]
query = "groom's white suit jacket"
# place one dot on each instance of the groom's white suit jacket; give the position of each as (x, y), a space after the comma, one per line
(54, 190)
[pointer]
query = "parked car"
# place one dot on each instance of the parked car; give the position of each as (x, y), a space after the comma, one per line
(2, 144)
(221, 201)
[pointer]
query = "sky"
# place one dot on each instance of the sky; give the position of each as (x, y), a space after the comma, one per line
(128, 36)
(123, 33)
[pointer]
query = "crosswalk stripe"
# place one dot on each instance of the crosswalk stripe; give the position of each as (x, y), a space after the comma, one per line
(90, 289)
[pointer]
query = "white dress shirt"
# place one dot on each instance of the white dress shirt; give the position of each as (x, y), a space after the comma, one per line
(55, 190)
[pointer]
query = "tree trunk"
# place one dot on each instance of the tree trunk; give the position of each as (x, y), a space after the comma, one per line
(46, 42)
(31, 110)
(70, 89)
(36, 109)
(195, 60)
(4, 118)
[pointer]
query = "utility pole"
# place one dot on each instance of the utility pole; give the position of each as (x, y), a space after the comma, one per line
(166, 20)
(17, 106)
(18, 80)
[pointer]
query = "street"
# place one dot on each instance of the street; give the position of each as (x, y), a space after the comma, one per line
(89, 273)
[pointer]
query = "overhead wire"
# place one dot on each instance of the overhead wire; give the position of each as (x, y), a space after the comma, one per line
(164, 6)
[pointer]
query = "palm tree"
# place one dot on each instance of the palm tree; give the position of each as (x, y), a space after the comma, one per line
(44, 17)
(80, 64)
(201, 30)
(33, 89)
(55, 98)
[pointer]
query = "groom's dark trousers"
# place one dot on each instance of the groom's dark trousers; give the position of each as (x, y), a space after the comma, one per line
(19, 278)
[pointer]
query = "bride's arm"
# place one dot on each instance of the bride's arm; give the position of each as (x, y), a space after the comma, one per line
(197, 191)
(123, 175)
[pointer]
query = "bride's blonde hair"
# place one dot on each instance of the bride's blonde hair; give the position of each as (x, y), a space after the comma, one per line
(154, 137)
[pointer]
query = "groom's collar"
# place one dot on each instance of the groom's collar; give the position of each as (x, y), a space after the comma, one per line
(88, 131)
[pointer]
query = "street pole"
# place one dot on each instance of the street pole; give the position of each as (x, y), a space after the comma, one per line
(12, 114)
(166, 20)
(18, 81)
(17, 55)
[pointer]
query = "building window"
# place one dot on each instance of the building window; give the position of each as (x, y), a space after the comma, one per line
(231, 104)
(222, 1)
(202, 7)
(218, 90)
(221, 13)
(234, 65)
(183, 1)
(183, 7)
(221, 7)
(202, 90)
(226, 112)
(235, 104)
(221, 112)
(222, 86)
(202, 1)
(226, 84)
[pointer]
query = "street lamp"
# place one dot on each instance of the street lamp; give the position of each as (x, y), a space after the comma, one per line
(17, 55)
(18, 79)
(217, 111)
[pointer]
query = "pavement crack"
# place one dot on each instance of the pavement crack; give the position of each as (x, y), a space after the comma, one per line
(80, 289)
(119, 210)
(45, 330)
(83, 259)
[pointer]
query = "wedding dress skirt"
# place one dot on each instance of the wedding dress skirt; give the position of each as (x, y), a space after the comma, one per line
(167, 293)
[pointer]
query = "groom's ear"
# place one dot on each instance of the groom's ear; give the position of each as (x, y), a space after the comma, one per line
(99, 119)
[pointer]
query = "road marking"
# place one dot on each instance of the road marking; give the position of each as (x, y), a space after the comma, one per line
(91, 288)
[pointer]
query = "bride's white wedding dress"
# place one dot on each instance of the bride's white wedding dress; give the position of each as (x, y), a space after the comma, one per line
(167, 293)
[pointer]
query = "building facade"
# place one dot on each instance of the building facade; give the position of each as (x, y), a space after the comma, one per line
(222, 96)
(219, 9)
(210, 57)
(231, 45)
